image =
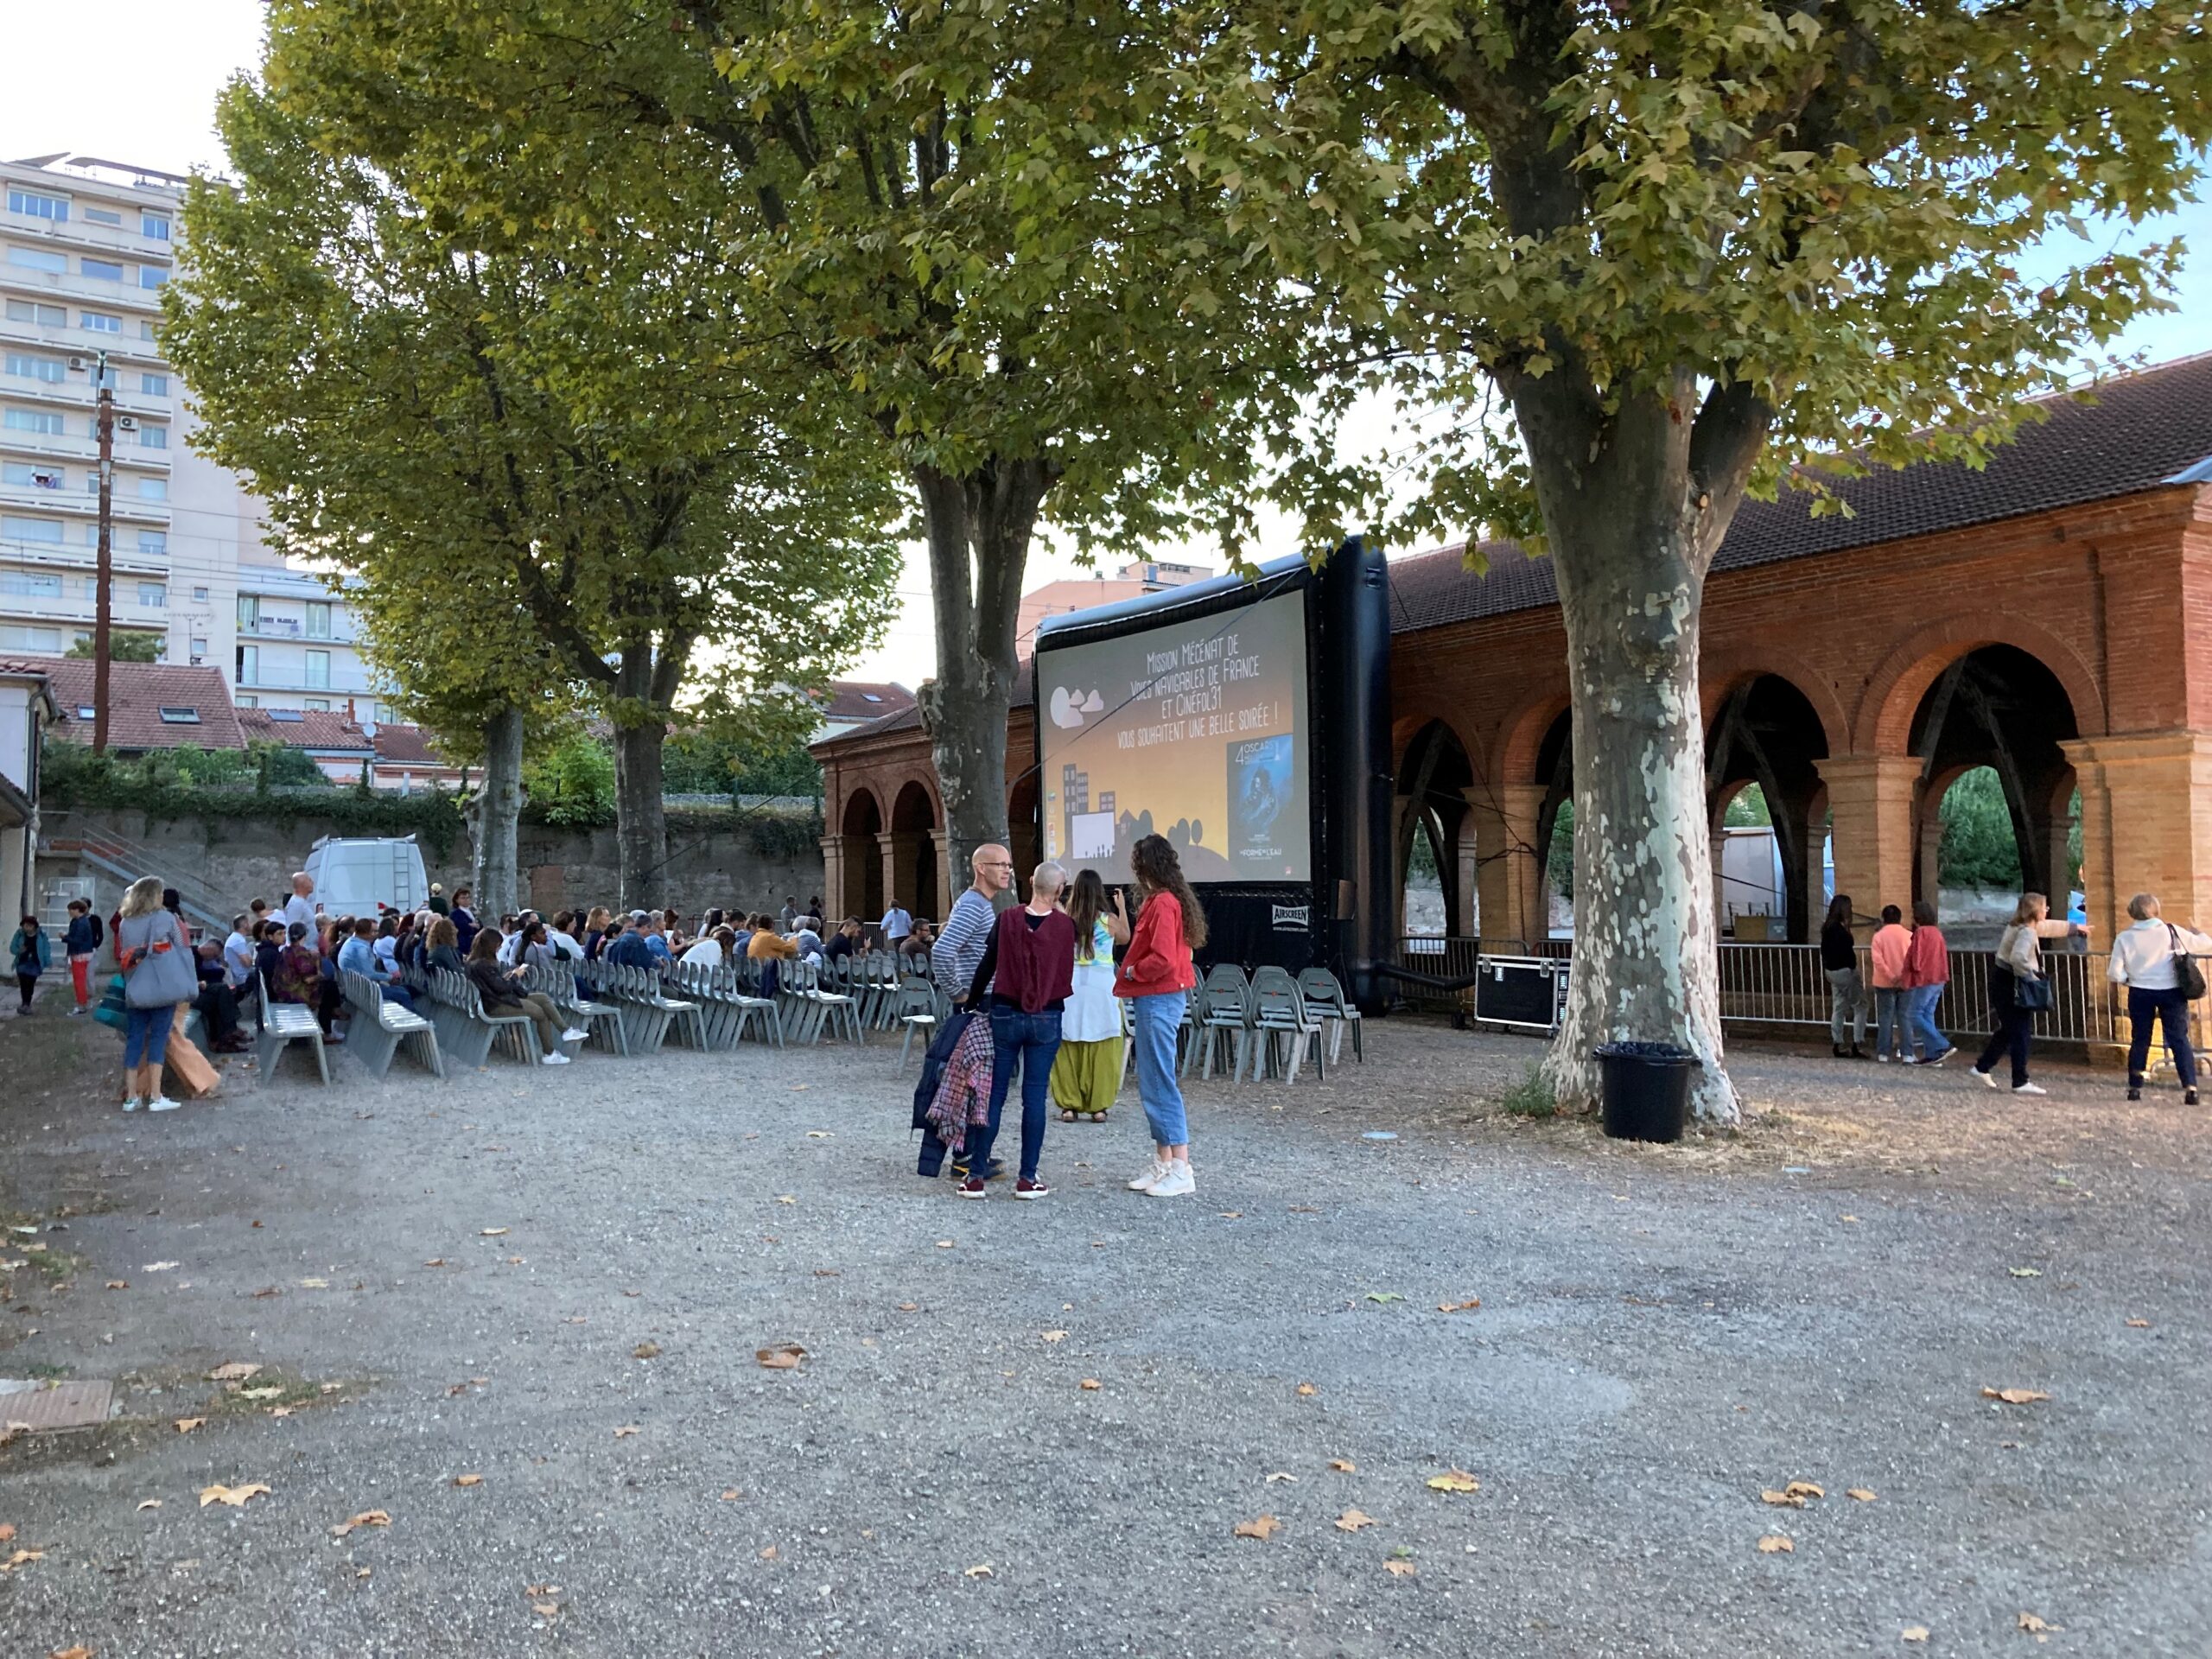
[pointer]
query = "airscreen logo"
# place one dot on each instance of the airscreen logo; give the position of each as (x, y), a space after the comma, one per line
(1295, 918)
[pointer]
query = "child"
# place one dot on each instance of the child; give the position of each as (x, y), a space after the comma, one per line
(1887, 950)
(82, 942)
(33, 954)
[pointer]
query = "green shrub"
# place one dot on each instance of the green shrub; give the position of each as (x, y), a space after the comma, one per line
(1530, 1097)
(573, 787)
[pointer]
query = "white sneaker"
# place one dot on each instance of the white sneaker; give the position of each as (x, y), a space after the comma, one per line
(574, 1034)
(1176, 1183)
(2027, 1088)
(556, 1058)
(1882, 1059)
(1987, 1081)
(130, 1102)
(1154, 1173)
(164, 1104)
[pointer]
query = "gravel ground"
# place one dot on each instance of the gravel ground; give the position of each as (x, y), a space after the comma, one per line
(1663, 1334)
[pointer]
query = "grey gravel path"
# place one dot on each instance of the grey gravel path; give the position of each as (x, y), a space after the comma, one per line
(1662, 1334)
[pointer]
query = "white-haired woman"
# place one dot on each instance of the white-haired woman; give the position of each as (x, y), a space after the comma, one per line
(2146, 959)
(1024, 980)
(155, 955)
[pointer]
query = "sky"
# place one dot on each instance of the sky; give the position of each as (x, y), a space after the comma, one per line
(162, 61)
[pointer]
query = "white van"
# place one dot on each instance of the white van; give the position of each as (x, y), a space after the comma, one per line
(355, 877)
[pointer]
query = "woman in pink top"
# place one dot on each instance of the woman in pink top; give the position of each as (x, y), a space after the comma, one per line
(1927, 970)
(1888, 947)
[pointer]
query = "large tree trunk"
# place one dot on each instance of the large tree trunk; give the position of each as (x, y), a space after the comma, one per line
(978, 527)
(1630, 537)
(499, 809)
(640, 821)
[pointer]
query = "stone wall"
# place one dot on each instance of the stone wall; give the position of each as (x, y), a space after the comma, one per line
(231, 860)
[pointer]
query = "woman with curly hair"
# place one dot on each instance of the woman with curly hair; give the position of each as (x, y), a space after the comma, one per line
(1158, 977)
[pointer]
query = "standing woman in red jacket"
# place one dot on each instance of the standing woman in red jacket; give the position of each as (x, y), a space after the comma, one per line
(1158, 978)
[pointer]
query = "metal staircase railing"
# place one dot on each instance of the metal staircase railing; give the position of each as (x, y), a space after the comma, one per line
(62, 835)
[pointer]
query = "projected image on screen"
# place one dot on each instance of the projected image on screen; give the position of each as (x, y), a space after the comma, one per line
(1195, 730)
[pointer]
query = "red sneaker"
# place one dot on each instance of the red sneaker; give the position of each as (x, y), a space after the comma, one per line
(1025, 1188)
(970, 1188)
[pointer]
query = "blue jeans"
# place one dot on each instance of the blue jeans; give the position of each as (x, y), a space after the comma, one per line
(1890, 1035)
(1031, 1039)
(1157, 1019)
(395, 992)
(1920, 1021)
(146, 1037)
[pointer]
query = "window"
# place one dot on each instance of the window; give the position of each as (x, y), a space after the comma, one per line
(249, 664)
(103, 270)
(86, 711)
(152, 275)
(154, 385)
(248, 613)
(319, 669)
(145, 330)
(153, 435)
(24, 366)
(33, 205)
(175, 715)
(153, 489)
(32, 311)
(157, 541)
(318, 620)
(380, 713)
(155, 226)
(100, 322)
(33, 420)
(153, 595)
(14, 639)
(31, 584)
(37, 259)
(199, 652)
(103, 378)
(103, 216)
(30, 477)
(247, 703)
(198, 594)
(38, 529)
(318, 705)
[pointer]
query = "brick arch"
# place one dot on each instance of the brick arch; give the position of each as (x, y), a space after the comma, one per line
(897, 792)
(1894, 690)
(1405, 728)
(1520, 738)
(853, 795)
(1721, 672)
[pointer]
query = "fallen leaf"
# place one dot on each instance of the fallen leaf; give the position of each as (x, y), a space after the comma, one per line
(118, 1284)
(1913, 1633)
(981, 1570)
(819, 1135)
(1399, 1569)
(1053, 1336)
(233, 1497)
(828, 1273)
(1455, 1480)
(2015, 1397)
(1802, 1488)
(80, 1651)
(1472, 1303)
(2026, 1273)
(266, 1291)
(782, 1357)
(185, 1425)
(1384, 1296)
(2138, 1325)
(315, 1284)
(1307, 1390)
(1773, 1544)
(363, 1572)
(1091, 1385)
(730, 1494)
(1353, 1520)
(546, 1609)
(236, 1371)
(2030, 1622)
(786, 1197)
(1280, 1475)
(1232, 1215)
(514, 1260)
(1262, 1527)
(7, 1531)
(280, 1411)
(1344, 1466)
(769, 1553)
(1852, 1218)
(150, 1503)
(493, 1232)
(468, 1480)
(944, 1243)
(1779, 1499)
(260, 1394)
(645, 1350)
(578, 1319)
(1864, 1494)
(20, 1557)
(625, 1431)
(159, 1267)
(365, 1518)
(435, 1261)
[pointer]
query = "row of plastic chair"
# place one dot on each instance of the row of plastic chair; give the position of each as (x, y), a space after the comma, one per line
(1270, 1021)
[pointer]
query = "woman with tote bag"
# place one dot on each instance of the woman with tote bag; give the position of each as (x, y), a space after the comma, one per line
(155, 957)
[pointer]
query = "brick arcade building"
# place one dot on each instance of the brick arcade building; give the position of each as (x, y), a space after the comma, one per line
(2049, 616)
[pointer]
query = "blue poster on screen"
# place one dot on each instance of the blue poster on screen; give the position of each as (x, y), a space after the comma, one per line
(1263, 814)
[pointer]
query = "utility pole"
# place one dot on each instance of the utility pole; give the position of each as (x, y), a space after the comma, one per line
(104, 584)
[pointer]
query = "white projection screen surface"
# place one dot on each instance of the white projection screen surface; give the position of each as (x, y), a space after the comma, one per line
(1194, 729)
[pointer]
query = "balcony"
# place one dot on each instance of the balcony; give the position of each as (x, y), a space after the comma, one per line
(81, 235)
(76, 398)
(73, 605)
(55, 286)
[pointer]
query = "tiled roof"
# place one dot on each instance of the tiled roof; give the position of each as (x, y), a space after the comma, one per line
(909, 719)
(862, 699)
(24, 668)
(137, 693)
(406, 746)
(311, 729)
(2142, 430)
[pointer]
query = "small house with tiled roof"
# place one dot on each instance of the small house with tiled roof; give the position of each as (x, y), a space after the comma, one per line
(331, 738)
(150, 706)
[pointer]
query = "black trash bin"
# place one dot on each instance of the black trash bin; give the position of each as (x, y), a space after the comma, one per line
(1645, 1092)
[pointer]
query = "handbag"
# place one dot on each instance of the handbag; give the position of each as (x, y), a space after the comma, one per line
(2187, 974)
(164, 975)
(2031, 994)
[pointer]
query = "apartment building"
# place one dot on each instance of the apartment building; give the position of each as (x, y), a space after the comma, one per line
(1081, 594)
(85, 245)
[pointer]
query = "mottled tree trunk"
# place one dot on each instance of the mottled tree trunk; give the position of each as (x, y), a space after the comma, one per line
(499, 809)
(1633, 518)
(978, 526)
(640, 819)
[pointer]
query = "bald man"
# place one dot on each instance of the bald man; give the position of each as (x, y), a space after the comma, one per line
(957, 952)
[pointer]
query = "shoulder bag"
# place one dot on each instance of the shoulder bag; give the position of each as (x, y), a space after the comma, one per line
(162, 974)
(2187, 974)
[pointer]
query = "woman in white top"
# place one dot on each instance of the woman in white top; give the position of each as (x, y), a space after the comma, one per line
(2143, 960)
(1087, 1070)
(2019, 962)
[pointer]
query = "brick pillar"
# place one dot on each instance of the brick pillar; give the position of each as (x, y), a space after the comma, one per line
(2146, 827)
(1869, 808)
(900, 848)
(1511, 883)
(833, 868)
(947, 889)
